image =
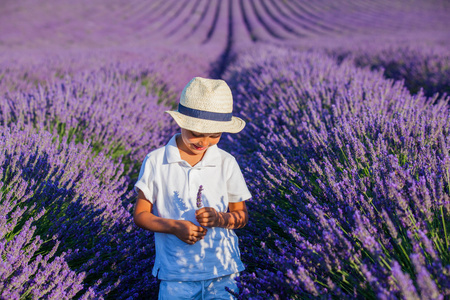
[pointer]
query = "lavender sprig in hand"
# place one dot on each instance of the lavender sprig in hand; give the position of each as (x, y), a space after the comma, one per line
(199, 197)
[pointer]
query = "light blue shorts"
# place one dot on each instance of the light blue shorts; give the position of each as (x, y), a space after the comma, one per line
(203, 289)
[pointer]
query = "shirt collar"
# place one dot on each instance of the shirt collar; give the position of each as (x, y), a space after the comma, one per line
(210, 159)
(172, 152)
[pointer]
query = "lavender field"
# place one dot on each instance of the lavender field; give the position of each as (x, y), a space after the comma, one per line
(346, 149)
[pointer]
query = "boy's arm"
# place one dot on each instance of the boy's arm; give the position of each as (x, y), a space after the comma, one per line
(186, 231)
(236, 217)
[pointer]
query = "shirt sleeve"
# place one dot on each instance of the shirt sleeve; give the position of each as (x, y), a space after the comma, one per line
(145, 181)
(237, 188)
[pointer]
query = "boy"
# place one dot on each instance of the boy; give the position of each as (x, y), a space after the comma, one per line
(197, 252)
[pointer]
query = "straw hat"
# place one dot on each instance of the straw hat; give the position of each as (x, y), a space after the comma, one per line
(206, 106)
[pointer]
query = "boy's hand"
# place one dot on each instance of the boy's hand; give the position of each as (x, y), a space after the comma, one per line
(188, 232)
(208, 216)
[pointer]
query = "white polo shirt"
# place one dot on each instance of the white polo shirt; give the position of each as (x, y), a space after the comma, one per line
(171, 184)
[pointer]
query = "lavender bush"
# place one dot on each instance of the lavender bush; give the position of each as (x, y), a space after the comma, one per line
(163, 72)
(24, 271)
(107, 107)
(419, 66)
(350, 181)
(88, 241)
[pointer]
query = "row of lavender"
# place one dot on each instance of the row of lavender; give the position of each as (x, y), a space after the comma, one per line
(420, 67)
(207, 22)
(72, 138)
(350, 177)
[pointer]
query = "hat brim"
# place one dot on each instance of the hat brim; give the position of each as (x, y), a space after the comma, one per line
(207, 126)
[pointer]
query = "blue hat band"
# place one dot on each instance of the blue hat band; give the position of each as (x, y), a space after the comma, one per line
(205, 115)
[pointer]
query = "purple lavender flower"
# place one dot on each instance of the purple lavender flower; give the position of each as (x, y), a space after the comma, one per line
(199, 197)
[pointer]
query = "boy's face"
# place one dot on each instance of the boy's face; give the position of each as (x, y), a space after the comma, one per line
(197, 143)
